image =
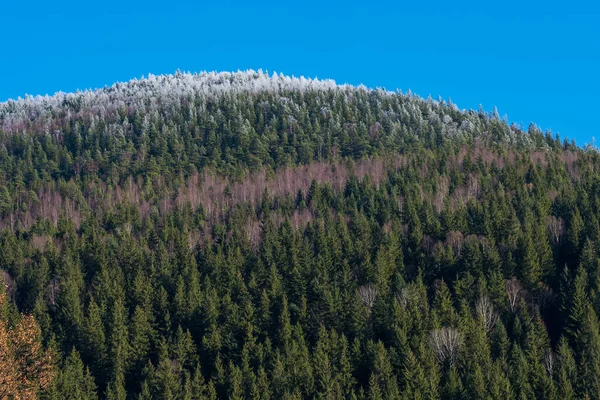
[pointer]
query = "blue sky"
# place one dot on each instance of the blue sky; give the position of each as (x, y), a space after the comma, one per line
(535, 60)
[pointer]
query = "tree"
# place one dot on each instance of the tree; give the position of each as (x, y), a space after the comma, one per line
(530, 269)
(575, 233)
(120, 349)
(383, 371)
(576, 308)
(566, 370)
(74, 381)
(6, 203)
(588, 344)
(140, 333)
(445, 343)
(486, 313)
(368, 294)
(25, 367)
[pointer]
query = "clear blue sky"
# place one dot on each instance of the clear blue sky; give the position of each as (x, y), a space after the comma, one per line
(535, 60)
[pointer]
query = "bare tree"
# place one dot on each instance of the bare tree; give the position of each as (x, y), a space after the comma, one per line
(514, 291)
(442, 193)
(473, 187)
(253, 232)
(368, 293)
(556, 227)
(549, 360)
(445, 343)
(52, 291)
(486, 313)
(455, 240)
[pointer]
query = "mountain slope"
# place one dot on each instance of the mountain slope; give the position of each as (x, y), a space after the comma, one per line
(239, 235)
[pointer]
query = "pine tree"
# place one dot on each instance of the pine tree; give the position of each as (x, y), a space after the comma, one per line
(588, 345)
(140, 336)
(167, 380)
(382, 370)
(576, 308)
(442, 305)
(453, 387)
(530, 268)
(74, 381)
(566, 374)
(120, 349)
(235, 389)
(94, 351)
(116, 388)
(575, 234)
(69, 300)
(322, 365)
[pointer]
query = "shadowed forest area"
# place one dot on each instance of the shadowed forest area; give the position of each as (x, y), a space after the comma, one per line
(240, 235)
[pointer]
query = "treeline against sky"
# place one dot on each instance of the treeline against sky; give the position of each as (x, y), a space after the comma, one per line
(242, 236)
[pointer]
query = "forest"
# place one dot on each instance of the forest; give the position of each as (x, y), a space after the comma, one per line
(246, 235)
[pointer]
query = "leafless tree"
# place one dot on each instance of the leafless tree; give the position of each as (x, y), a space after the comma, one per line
(549, 360)
(442, 193)
(445, 343)
(400, 200)
(473, 190)
(514, 291)
(194, 239)
(52, 291)
(455, 240)
(253, 232)
(486, 313)
(40, 242)
(569, 158)
(368, 293)
(427, 243)
(556, 227)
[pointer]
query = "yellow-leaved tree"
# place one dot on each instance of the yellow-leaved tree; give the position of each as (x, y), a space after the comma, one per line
(25, 367)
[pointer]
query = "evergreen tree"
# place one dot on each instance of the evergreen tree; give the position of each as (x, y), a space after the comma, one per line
(74, 381)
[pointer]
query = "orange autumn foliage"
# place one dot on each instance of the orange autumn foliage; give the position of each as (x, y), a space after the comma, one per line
(25, 367)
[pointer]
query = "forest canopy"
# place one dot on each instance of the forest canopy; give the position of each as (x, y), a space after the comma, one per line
(245, 235)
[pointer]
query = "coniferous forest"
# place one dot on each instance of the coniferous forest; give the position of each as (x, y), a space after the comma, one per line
(245, 235)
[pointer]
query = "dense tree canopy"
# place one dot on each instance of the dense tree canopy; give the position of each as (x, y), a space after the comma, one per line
(246, 236)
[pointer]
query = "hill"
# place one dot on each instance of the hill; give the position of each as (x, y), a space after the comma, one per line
(241, 235)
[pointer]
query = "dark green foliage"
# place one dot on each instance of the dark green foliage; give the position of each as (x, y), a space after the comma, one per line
(325, 244)
(74, 381)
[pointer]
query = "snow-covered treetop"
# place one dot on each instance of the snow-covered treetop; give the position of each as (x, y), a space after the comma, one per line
(168, 95)
(163, 89)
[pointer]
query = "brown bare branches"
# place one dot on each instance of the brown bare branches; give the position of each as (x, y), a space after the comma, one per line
(206, 188)
(556, 227)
